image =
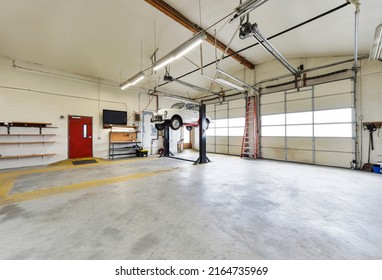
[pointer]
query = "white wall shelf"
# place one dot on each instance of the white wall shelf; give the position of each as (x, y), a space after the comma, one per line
(29, 145)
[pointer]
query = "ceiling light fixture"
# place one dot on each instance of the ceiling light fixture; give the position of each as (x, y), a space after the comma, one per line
(246, 7)
(170, 79)
(229, 84)
(132, 81)
(233, 78)
(376, 46)
(225, 83)
(181, 50)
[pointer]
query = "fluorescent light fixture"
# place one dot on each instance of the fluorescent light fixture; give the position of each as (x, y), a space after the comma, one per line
(168, 78)
(180, 50)
(225, 83)
(376, 46)
(229, 84)
(133, 80)
(246, 7)
(233, 78)
(271, 49)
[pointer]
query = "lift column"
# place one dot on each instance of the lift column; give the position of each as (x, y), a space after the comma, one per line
(166, 141)
(202, 136)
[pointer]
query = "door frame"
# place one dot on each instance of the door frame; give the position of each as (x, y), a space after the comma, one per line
(189, 144)
(80, 116)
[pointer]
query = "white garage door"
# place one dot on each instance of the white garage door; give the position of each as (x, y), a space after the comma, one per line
(225, 133)
(313, 125)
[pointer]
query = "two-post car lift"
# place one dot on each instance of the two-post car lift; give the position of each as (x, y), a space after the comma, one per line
(202, 140)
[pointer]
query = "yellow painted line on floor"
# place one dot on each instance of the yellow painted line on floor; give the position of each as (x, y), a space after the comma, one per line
(59, 168)
(6, 185)
(19, 197)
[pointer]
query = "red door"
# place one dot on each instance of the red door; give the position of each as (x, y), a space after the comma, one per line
(80, 137)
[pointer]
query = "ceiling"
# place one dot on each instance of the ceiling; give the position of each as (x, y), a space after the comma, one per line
(114, 40)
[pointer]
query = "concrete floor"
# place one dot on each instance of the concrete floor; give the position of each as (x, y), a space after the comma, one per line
(150, 208)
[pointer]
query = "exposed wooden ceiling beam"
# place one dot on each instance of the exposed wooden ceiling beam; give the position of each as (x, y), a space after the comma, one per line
(181, 19)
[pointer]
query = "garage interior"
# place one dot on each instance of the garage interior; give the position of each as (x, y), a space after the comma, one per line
(293, 89)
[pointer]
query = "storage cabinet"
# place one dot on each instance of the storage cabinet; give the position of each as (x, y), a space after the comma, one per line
(123, 144)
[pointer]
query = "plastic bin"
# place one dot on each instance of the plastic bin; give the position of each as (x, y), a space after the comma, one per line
(377, 169)
(141, 153)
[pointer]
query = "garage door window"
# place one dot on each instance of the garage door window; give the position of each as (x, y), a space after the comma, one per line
(333, 116)
(323, 123)
(273, 131)
(227, 127)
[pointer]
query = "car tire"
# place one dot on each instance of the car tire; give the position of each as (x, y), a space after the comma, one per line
(159, 126)
(189, 128)
(176, 123)
(208, 123)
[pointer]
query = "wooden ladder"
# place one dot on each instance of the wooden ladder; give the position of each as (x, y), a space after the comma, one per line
(249, 142)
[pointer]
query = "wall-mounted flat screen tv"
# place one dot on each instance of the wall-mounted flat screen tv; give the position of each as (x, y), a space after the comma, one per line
(114, 117)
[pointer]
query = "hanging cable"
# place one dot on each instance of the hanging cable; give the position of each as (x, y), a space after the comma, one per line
(216, 47)
(219, 21)
(229, 43)
(200, 13)
(201, 45)
(141, 56)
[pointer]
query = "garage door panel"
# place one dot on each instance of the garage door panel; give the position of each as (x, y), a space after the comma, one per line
(221, 140)
(273, 142)
(334, 159)
(234, 150)
(221, 115)
(333, 102)
(299, 95)
(333, 88)
(222, 149)
(272, 97)
(210, 108)
(235, 140)
(300, 143)
(210, 148)
(210, 139)
(299, 106)
(300, 156)
(240, 103)
(272, 153)
(237, 113)
(275, 108)
(334, 144)
(221, 107)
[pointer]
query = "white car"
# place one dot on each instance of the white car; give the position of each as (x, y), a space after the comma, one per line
(179, 114)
